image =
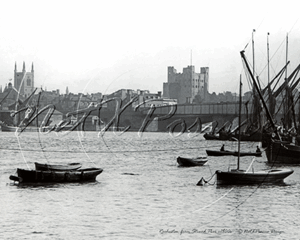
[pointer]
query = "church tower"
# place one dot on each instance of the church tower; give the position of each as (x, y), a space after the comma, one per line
(24, 81)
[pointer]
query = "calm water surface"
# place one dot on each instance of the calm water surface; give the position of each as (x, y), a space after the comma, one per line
(142, 193)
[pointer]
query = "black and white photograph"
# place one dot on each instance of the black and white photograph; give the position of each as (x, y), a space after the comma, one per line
(149, 119)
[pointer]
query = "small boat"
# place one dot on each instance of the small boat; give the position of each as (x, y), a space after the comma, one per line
(221, 136)
(37, 176)
(191, 162)
(211, 136)
(240, 177)
(57, 167)
(255, 136)
(232, 153)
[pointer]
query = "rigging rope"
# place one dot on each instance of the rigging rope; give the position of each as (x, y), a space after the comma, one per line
(121, 151)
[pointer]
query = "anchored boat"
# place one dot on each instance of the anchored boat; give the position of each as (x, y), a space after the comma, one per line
(57, 167)
(238, 176)
(38, 176)
(191, 162)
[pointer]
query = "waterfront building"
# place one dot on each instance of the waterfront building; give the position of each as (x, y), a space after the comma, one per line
(152, 99)
(144, 98)
(24, 81)
(187, 85)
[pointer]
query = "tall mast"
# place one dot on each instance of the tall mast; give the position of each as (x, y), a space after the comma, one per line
(255, 109)
(253, 51)
(271, 98)
(191, 67)
(192, 77)
(286, 57)
(286, 100)
(240, 110)
(259, 93)
(268, 58)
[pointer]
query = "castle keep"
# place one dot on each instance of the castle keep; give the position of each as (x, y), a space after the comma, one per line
(187, 85)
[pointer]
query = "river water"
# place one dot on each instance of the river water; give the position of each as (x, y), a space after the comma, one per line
(142, 193)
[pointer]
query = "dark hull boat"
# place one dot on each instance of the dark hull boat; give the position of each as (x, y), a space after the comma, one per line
(232, 153)
(222, 136)
(242, 177)
(37, 176)
(279, 152)
(239, 177)
(191, 162)
(57, 167)
(253, 137)
(211, 136)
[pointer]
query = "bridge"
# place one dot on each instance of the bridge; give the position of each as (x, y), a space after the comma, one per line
(207, 112)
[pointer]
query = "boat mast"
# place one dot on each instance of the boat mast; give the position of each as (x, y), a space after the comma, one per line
(259, 93)
(271, 99)
(286, 56)
(253, 51)
(240, 110)
(286, 114)
(191, 75)
(255, 109)
(37, 108)
(268, 58)
(269, 89)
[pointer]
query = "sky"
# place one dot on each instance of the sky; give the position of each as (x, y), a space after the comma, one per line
(103, 46)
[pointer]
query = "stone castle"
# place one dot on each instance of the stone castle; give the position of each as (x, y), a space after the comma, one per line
(187, 85)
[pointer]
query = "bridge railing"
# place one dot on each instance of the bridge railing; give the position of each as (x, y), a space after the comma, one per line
(203, 109)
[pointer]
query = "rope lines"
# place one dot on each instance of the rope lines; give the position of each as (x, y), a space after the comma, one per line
(111, 151)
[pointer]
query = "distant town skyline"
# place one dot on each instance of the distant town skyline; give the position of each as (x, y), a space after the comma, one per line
(103, 46)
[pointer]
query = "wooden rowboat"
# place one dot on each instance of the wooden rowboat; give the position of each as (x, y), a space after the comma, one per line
(57, 167)
(37, 176)
(191, 162)
(240, 177)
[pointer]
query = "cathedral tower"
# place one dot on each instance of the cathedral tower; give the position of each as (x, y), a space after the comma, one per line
(24, 81)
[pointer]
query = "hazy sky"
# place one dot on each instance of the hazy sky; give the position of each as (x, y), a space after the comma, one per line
(102, 46)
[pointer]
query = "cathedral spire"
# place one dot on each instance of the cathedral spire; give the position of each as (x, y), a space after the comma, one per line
(23, 67)
(32, 68)
(15, 66)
